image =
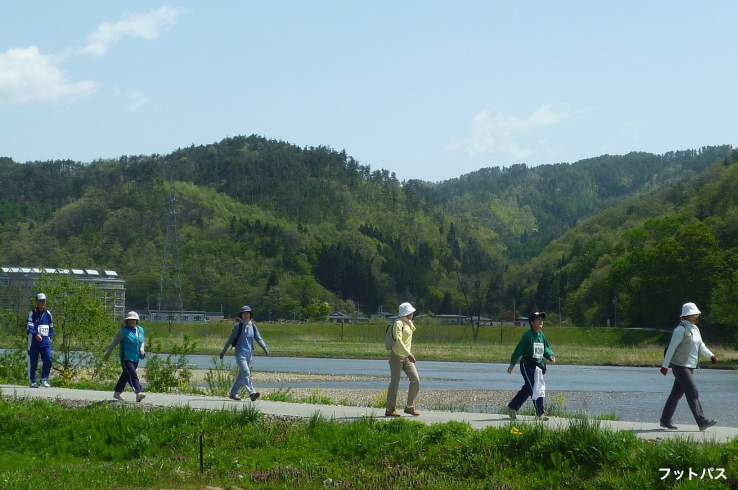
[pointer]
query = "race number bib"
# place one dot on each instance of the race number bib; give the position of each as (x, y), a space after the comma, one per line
(43, 330)
(537, 350)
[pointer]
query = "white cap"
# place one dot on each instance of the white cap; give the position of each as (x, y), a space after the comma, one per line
(40, 297)
(405, 309)
(132, 315)
(689, 309)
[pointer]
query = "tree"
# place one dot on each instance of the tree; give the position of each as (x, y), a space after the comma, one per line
(316, 311)
(83, 325)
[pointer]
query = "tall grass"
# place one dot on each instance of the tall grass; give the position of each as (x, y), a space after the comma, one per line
(43, 445)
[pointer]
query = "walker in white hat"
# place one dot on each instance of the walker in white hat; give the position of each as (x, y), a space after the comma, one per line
(689, 309)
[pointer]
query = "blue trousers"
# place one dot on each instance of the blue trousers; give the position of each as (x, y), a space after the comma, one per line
(33, 352)
(244, 376)
(128, 376)
(526, 391)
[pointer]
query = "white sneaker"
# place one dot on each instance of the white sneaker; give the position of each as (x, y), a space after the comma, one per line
(45, 383)
(543, 417)
(119, 396)
(33, 385)
(140, 396)
(512, 413)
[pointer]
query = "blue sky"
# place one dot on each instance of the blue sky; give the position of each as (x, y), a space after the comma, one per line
(430, 90)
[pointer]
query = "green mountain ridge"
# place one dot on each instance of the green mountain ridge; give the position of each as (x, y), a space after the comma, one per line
(281, 227)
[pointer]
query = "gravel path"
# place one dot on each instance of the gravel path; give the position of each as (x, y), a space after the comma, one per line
(488, 401)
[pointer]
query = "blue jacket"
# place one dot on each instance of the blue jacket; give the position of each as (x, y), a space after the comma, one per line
(131, 342)
(44, 320)
(245, 345)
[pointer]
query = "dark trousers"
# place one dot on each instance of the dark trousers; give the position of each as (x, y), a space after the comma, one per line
(526, 391)
(128, 376)
(683, 385)
(33, 353)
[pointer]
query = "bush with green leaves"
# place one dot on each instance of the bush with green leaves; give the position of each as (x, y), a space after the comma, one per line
(171, 372)
(220, 377)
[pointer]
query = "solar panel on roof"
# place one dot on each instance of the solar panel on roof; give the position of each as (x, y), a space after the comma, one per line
(111, 273)
(78, 272)
(92, 272)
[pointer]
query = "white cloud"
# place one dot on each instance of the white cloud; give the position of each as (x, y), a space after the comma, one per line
(147, 26)
(136, 98)
(27, 75)
(498, 132)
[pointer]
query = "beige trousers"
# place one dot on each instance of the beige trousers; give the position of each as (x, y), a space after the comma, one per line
(397, 365)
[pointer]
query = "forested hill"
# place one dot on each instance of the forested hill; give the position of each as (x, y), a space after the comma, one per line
(281, 227)
(636, 263)
(528, 207)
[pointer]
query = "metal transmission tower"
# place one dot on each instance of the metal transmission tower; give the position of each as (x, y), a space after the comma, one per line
(170, 287)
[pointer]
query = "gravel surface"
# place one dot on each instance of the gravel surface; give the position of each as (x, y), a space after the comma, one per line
(488, 401)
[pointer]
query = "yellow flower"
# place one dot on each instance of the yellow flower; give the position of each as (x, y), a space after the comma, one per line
(515, 431)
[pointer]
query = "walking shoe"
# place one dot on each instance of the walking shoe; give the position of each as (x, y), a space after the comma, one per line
(45, 383)
(254, 396)
(391, 413)
(708, 424)
(140, 396)
(235, 397)
(668, 425)
(512, 413)
(33, 385)
(543, 417)
(412, 411)
(119, 396)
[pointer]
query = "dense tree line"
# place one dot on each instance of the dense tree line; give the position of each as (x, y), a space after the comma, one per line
(283, 227)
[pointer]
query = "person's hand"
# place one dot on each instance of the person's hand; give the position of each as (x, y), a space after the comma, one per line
(553, 360)
(141, 352)
(106, 357)
(509, 370)
(714, 359)
(664, 371)
(38, 337)
(411, 358)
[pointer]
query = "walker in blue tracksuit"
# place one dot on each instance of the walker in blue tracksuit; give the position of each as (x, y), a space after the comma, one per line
(40, 333)
(244, 333)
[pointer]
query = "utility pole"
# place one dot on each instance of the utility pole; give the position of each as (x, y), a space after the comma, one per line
(170, 284)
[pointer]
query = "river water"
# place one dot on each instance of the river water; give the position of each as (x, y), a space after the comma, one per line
(630, 393)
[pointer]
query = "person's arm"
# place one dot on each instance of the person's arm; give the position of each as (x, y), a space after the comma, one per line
(259, 340)
(548, 353)
(519, 349)
(676, 339)
(31, 326)
(51, 325)
(116, 341)
(705, 351)
(142, 349)
(230, 340)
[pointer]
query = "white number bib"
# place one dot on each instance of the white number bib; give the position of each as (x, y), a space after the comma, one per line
(43, 330)
(537, 350)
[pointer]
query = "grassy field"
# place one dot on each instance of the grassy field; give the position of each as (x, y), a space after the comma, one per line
(572, 345)
(46, 445)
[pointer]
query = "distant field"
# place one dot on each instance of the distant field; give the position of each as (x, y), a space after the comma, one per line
(572, 345)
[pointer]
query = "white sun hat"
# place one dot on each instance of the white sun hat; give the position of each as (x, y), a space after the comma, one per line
(689, 309)
(132, 315)
(405, 309)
